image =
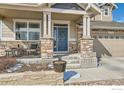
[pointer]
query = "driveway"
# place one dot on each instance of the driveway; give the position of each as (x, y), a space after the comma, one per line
(110, 68)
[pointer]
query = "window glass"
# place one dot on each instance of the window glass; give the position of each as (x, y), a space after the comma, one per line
(106, 11)
(106, 37)
(121, 37)
(34, 25)
(100, 36)
(21, 35)
(21, 26)
(111, 37)
(34, 35)
(25, 31)
(117, 37)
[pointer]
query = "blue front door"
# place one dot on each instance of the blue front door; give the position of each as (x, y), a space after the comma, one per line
(60, 34)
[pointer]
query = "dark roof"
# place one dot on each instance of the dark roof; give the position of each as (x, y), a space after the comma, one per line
(106, 25)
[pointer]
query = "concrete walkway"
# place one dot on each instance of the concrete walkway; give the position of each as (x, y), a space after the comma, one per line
(110, 68)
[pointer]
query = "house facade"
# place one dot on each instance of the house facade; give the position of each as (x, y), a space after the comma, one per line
(61, 28)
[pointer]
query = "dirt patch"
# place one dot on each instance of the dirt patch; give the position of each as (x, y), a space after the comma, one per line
(34, 67)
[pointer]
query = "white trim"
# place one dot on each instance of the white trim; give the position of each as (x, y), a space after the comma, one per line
(65, 11)
(27, 21)
(30, 20)
(27, 30)
(62, 22)
(109, 3)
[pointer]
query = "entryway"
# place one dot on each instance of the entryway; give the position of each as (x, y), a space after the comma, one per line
(60, 35)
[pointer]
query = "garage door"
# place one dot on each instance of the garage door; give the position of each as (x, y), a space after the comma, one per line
(109, 47)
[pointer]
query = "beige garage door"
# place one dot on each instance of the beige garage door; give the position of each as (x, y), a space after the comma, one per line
(109, 47)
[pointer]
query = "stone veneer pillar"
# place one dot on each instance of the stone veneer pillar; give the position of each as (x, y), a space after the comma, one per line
(86, 42)
(86, 45)
(46, 48)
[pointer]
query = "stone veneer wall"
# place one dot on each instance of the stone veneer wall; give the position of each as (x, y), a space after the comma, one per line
(32, 78)
(86, 45)
(14, 44)
(73, 46)
(46, 47)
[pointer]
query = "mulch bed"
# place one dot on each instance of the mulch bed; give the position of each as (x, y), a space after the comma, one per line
(100, 82)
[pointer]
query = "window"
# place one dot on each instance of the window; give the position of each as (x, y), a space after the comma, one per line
(21, 30)
(117, 37)
(34, 31)
(71, 6)
(106, 37)
(27, 30)
(111, 37)
(121, 37)
(100, 37)
(106, 12)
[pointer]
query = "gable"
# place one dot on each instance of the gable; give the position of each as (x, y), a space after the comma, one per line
(113, 6)
(72, 6)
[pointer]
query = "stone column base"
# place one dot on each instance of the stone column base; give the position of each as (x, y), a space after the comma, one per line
(86, 45)
(46, 48)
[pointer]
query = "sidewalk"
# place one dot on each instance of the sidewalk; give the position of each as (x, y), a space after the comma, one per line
(110, 68)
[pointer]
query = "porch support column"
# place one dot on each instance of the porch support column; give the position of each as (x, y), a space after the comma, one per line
(44, 24)
(86, 27)
(49, 25)
(46, 40)
(86, 42)
(88, 57)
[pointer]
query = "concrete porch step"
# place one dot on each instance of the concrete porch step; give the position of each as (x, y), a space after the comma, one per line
(73, 66)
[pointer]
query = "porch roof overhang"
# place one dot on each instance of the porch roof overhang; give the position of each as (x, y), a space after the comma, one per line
(36, 11)
(39, 9)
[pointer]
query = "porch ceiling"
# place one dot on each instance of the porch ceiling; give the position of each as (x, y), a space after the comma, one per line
(71, 17)
(20, 14)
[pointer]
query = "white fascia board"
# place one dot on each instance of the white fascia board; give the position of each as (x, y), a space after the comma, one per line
(54, 10)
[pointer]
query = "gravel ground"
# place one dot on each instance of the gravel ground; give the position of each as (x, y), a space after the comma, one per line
(101, 82)
(33, 67)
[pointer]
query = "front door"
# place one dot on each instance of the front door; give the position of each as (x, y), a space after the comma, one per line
(60, 34)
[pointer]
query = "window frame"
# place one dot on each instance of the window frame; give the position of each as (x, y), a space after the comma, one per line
(27, 30)
(105, 11)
